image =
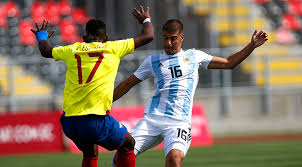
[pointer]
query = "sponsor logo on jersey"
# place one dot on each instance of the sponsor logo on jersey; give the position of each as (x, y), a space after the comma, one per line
(160, 65)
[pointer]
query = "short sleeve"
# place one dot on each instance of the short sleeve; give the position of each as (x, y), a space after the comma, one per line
(124, 47)
(202, 58)
(145, 70)
(59, 52)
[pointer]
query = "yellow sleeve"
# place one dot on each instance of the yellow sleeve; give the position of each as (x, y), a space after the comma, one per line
(124, 47)
(59, 52)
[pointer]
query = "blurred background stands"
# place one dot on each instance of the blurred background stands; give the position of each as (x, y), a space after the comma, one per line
(268, 83)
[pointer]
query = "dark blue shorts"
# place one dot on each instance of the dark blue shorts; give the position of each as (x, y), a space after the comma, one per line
(94, 129)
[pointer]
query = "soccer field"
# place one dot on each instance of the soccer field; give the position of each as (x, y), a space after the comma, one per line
(266, 154)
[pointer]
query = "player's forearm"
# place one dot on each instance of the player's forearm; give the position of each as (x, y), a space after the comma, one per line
(238, 57)
(120, 90)
(45, 49)
(146, 36)
(125, 86)
(148, 32)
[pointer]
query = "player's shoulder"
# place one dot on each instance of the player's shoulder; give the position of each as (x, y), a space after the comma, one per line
(155, 57)
(120, 41)
(69, 47)
(190, 52)
(122, 44)
(195, 52)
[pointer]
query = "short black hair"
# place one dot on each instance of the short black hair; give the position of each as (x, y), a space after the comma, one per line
(94, 29)
(173, 25)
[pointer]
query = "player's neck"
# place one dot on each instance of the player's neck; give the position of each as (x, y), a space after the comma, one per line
(174, 53)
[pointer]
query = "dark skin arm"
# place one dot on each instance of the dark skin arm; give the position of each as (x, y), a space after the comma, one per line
(258, 38)
(44, 46)
(147, 33)
(125, 86)
(45, 49)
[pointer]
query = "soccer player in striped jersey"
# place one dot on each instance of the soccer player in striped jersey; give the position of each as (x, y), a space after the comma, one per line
(91, 70)
(168, 113)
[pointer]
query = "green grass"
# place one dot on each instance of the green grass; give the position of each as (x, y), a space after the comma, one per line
(266, 154)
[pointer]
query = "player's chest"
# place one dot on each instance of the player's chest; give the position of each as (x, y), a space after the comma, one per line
(176, 68)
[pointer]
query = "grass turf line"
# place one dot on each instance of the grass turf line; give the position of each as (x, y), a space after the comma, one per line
(266, 154)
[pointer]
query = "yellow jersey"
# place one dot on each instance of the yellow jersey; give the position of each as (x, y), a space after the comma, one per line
(90, 75)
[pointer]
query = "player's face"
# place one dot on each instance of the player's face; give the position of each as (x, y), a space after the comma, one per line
(172, 41)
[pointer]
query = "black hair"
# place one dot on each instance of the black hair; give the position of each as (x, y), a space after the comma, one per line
(94, 30)
(173, 25)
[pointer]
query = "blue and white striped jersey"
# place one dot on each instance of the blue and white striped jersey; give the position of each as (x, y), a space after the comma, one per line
(176, 78)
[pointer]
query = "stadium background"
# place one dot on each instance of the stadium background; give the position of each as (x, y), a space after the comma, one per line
(260, 97)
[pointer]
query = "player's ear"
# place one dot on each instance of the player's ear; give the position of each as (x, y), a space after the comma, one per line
(182, 36)
(106, 38)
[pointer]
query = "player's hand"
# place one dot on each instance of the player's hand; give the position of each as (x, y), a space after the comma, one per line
(44, 26)
(141, 15)
(259, 38)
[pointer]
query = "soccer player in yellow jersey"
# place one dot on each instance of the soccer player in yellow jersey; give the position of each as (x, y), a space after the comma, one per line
(91, 70)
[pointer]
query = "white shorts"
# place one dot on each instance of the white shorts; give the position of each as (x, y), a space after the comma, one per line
(152, 130)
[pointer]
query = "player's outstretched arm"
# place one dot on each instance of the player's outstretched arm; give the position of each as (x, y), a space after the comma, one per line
(258, 38)
(42, 36)
(147, 33)
(125, 86)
